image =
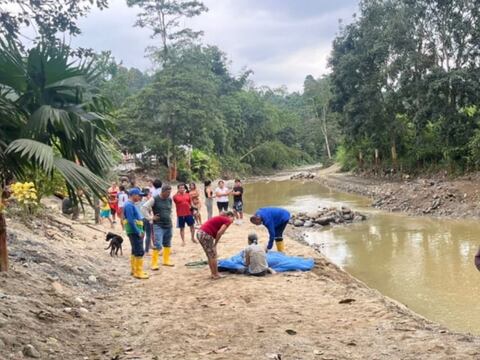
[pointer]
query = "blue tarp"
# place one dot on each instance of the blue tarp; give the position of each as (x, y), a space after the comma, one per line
(276, 260)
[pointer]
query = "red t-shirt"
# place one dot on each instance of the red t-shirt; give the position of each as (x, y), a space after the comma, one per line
(212, 226)
(182, 203)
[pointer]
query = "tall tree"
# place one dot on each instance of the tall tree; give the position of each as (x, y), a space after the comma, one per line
(164, 19)
(47, 17)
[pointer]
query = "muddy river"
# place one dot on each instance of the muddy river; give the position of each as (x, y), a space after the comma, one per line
(426, 264)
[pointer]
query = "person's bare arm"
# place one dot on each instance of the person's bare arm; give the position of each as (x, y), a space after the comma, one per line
(247, 258)
(220, 233)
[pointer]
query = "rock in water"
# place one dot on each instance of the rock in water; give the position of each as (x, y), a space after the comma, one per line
(298, 223)
(30, 351)
(308, 224)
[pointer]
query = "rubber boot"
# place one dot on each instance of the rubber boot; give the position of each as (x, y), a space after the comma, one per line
(166, 257)
(139, 273)
(280, 245)
(155, 258)
(132, 265)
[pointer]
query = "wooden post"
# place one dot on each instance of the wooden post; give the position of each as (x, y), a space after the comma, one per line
(3, 243)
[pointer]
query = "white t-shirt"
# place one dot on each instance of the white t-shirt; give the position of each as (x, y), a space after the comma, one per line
(154, 192)
(122, 199)
(223, 198)
(258, 258)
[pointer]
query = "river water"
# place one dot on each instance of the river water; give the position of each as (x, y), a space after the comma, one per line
(426, 264)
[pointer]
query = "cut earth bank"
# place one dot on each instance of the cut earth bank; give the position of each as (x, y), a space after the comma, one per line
(436, 195)
(66, 298)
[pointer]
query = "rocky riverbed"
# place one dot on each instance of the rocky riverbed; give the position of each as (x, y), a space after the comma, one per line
(326, 217)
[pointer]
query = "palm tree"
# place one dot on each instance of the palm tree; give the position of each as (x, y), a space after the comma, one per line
(51, 119)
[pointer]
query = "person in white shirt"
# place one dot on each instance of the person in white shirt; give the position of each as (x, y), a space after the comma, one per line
(122, 198)
(255, 258)
(221, 194)
(156, 188)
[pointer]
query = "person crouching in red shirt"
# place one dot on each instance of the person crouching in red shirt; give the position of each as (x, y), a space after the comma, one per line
(209, 235)
(183, 204)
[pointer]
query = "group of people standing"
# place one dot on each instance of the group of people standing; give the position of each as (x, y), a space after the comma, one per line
(146, 217)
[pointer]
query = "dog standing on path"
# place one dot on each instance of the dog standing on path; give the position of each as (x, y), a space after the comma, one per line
(115, 244)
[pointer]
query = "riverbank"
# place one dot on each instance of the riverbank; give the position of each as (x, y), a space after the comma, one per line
(438, 196)
(67, 298)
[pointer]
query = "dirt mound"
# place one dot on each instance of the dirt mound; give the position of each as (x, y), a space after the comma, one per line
(55, 280)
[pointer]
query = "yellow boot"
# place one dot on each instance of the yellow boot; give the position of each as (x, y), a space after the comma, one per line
(155, 258)
(280, 245)
(139, 273)
(132, 265)
(166, 257)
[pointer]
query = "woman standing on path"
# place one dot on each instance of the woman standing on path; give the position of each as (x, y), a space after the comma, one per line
(113, 200)
(221, 193)
(196, 204)
(209, 198)
(183, 203)
(209, 235)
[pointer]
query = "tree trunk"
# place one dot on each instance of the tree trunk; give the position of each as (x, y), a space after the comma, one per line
(172, 170)
(394, 154)
(324, 130)
(3, 243)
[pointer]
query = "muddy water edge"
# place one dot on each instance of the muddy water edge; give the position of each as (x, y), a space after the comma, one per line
(426, 264)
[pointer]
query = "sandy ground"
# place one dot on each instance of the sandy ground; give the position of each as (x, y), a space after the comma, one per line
(50, 301)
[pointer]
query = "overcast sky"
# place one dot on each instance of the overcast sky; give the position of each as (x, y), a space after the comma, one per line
(282, 41)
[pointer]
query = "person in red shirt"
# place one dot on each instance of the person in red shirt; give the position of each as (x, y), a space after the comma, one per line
(209, 235)
(183, 205)
(113, 200)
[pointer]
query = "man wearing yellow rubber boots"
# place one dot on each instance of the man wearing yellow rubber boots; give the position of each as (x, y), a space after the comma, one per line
(133, 225)
(275, 220)
(161, 208)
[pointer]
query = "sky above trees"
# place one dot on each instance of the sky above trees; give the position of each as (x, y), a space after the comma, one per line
(281, 41)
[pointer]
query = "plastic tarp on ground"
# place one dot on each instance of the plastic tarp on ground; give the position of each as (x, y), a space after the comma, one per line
(276, 260)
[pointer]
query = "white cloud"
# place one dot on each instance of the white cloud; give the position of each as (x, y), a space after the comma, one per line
(281, 41)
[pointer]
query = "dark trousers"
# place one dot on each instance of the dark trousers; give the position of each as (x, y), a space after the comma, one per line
(148, 234)
(279, 229)
(222, 206)
(137, 244)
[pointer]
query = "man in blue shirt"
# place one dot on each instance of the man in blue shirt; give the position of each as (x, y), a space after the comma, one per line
(275, 220)
(133, 225)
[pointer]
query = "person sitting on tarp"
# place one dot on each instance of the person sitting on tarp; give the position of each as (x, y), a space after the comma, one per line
(275, 220)
(255, 258)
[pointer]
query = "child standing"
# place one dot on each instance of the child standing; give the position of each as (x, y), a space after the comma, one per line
(105, 211)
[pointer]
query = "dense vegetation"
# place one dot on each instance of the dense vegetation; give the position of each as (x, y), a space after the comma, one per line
(406, 81)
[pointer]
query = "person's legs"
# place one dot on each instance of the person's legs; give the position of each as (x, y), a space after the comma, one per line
(208, 245)
(113, 211)
(209, 205)
(137, 249)
(219, 207)
(181, 225)
(148, 234)
(279, 236)
(157, 246)
(167, 234)
(191, 224)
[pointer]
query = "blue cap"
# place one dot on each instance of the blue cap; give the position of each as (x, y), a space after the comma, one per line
(135, 191)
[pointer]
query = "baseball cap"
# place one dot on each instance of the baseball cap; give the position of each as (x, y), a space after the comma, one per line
(135, 191)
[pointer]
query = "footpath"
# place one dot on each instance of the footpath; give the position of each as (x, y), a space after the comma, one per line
(66, 298)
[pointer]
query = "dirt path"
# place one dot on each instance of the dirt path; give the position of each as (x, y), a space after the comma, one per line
(179, 313)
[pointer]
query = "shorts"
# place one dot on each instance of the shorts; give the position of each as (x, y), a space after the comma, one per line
(113, 208)
(238, 206)
(208, 244)
(182, 220)
(105, 213)
(222, 206)
(162, 237)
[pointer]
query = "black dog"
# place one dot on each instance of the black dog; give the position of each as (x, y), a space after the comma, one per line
(115, 244)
